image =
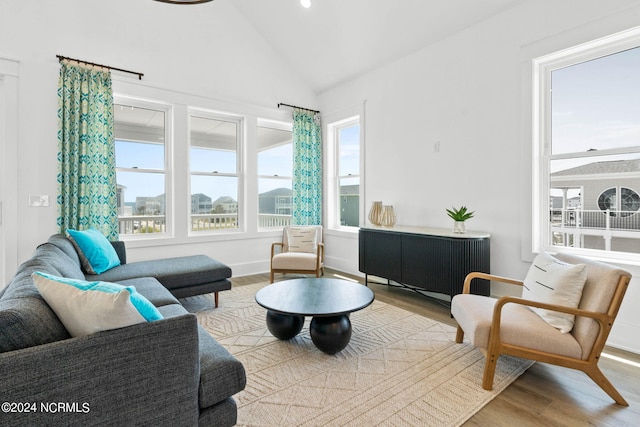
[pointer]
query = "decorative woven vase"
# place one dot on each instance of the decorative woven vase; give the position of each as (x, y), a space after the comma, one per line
(388, 216)
(375, 213)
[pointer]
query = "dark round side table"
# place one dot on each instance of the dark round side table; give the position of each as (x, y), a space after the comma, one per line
(328, 301)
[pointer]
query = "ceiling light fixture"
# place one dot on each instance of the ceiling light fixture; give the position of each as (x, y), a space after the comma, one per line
(305, 3)
(184, 1)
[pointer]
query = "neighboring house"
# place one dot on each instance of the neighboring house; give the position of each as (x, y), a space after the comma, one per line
(201, 204)
(276, 202)
(150, 205)
(225, 204)
(606, 214)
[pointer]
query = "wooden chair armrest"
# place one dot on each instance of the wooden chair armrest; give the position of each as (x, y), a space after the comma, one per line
(466, 288)
(273, 247)
(600, 317)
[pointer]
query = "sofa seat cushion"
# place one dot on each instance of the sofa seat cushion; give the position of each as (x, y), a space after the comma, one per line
(294, 261)
(221, 374)
(152, 290)
(474, 313)
(173, 273)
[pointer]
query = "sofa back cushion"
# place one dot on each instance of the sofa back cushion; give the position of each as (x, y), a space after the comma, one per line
(59, 261)
(25, 318)
(64, 244)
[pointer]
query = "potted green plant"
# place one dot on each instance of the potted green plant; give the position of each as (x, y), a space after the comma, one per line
(459, 216)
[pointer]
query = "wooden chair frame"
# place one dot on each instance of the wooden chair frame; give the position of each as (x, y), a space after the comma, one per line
(589, 366)
(319, 269)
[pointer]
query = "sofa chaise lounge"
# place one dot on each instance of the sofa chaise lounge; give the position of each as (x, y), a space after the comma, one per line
(167, 372)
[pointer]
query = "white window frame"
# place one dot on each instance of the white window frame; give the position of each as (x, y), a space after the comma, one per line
(272, 124)
(541, 136)
(168, 172)
(333, 185)
(239, 175)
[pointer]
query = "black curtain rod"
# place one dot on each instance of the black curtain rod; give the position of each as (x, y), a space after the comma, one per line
(301, 108)
(60, 58)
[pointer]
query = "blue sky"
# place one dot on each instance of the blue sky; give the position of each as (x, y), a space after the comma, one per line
(596, 105)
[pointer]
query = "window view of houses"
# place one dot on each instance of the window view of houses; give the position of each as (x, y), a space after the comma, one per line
(142, 140)
(594, 155)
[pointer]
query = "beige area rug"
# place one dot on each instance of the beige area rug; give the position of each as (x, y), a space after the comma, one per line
(400, 368)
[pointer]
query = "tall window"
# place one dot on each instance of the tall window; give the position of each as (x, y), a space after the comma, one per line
(589, 144)
(346, 146)
(214, 165)
(141, 136)
(275, 172)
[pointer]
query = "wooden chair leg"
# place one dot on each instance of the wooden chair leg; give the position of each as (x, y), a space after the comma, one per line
(271, 276)
(459, 335)
(489, 371)
(598, 377)
(215, 297)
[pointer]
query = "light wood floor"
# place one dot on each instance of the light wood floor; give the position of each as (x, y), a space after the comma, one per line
(545, 395)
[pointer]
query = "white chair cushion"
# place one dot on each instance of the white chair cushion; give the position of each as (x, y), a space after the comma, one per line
(519, 326)
(294, 261)
(552, 281)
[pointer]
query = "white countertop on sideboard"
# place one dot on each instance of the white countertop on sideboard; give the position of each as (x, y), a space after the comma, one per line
(430, 231)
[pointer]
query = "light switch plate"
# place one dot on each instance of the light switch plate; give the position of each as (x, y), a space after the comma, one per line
(38, 200)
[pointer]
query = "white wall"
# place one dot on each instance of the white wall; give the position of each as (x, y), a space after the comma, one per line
(215, 59)
(466, 93)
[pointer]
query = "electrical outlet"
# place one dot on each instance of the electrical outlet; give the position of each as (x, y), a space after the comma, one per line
(38, 200)
(436, 147)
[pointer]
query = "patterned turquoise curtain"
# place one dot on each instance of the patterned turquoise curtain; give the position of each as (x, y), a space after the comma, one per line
(86, 150)
(307, 168)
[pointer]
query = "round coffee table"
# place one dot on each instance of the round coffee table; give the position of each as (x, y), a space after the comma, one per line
(328, 301)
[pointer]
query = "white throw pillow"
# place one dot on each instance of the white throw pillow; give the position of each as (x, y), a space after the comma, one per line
(88, 307)
(552, 281)
(302, 239)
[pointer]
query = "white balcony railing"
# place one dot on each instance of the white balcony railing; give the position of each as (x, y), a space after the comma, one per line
(595, 219)
(572, 227)
(138, 224)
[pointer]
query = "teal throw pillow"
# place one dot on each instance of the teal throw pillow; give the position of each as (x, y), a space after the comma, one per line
(96, 254)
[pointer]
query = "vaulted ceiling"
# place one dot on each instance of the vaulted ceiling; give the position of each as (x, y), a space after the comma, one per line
(337, 40)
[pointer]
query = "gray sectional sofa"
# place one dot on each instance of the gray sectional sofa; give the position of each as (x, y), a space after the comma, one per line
(168, 372)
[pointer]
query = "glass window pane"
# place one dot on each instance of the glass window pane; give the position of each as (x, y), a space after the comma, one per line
(139, 155)
(349, 149)
(141, 202)
(593, 195)
(275, 152)
(350, 202)
(214, 202)
(212, 161)
(591, 104)
(140, 144)
(274, 202)
(213, 145)
(276, 161)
